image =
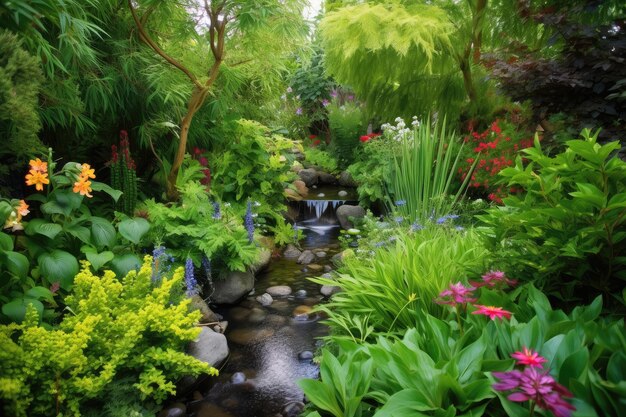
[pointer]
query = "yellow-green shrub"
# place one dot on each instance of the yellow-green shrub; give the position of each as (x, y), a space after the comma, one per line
(113, 330)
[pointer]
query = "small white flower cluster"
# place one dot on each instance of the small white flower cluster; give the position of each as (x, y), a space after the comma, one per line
(399, 131)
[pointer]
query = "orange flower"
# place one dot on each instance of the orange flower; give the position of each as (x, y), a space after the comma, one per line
(22, 209)
(37, 178)
(82, 186)
(38, 165)
(87, 172)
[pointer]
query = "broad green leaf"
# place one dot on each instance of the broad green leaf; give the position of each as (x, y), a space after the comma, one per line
(42, 227)
(98, 260)
(100, 186)
(80, 232)
(16, 309)
(321, 395)
(574, 366)
(5, 211)
(616, 368)
(404, 403)
(617, 201)
(39, 293)
(591, 194)
(6, 242)
(470, 360)
(62, 202)
(58, 266)
(122, 264)
(134, 229)
(15, 263)
(102, 233)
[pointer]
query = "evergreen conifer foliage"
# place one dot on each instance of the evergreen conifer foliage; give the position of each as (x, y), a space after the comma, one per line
(402, 59)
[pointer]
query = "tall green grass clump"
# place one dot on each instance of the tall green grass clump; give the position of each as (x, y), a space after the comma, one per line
(386, 290)
(424, 171)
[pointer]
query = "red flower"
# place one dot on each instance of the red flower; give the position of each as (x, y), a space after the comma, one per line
(492, 312)
(529, 357)
(364, 138)
(316, 142)
(312, 137)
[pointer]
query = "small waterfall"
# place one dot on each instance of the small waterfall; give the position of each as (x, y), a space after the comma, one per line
(320, 206)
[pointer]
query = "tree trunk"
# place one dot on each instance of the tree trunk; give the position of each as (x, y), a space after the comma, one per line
(195, 102)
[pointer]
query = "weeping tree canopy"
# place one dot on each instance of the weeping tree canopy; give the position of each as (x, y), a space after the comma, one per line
(412, 57)
(395, 57)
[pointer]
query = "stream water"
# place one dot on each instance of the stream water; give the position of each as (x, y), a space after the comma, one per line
(271, 346)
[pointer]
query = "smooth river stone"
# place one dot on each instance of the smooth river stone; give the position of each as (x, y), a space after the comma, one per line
(279, 291)
(302, 310)
(249, 336)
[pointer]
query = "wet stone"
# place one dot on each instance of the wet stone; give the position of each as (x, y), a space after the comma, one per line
(300, 293)
(305, 355)
(249, 336)
(292, 409)
(212, 410)
(328, 290)
(238, 378)
(342, 193)
(279, 291)
(174, 410)
(265, 299)
(302, 309)
(315, 267)
(327, 268)
(257, 315)
(275, 320)
(239, 313)
(281, 306)
(320, 254)
(306, 257)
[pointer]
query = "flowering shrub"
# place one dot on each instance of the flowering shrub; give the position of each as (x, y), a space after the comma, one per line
(495, 149)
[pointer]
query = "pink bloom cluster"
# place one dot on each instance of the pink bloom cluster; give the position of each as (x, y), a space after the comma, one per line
(494, 279)
(535, 385)
(459, 294)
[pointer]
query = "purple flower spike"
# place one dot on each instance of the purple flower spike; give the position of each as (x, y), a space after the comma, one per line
(190, 279)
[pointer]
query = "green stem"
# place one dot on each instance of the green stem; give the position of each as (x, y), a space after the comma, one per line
(458, 320)
(532, 409)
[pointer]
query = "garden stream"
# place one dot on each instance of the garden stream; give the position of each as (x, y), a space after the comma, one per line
(272, 346)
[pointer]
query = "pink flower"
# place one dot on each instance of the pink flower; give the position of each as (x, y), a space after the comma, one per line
(528, 357)
(494, 279)
(538, 387)
(456, 294)
(492, 312)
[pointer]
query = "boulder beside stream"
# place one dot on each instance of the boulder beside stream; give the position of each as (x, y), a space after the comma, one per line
(232, 286)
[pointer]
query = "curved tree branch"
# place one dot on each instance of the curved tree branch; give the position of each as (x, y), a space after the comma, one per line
(148, 40)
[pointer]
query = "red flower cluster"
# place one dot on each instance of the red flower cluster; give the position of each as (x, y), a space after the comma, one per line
(366, 138)
(199, 155)
(495, 150)
(124, 149)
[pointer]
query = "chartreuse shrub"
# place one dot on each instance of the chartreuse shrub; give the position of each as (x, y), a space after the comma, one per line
(116, 332)
(566, 230)
(388, 286)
